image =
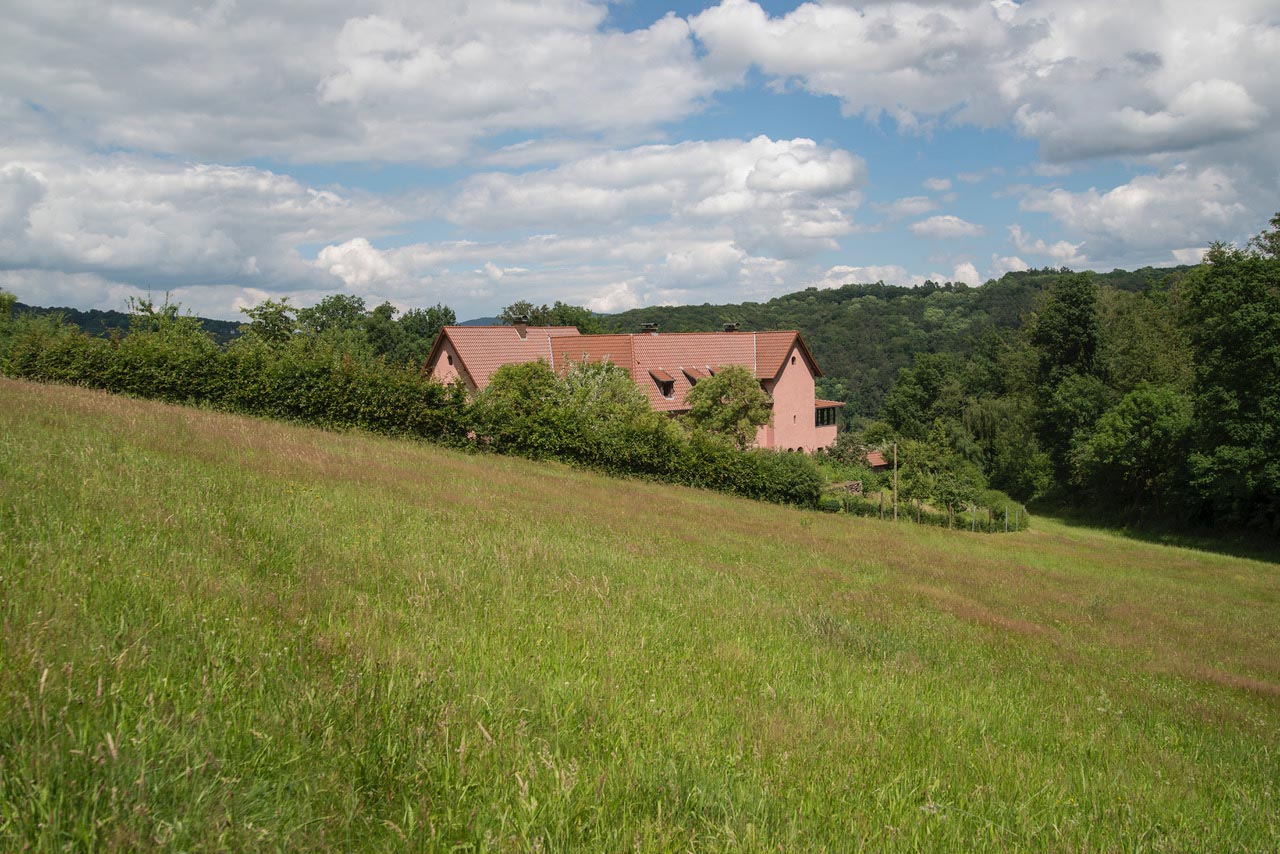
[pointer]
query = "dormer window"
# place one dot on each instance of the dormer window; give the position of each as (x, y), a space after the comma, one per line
(665, 382)
(695, 374)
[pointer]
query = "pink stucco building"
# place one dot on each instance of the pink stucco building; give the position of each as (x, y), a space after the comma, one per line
(665, 366)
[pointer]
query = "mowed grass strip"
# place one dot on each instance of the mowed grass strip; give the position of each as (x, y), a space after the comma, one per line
(222, 633)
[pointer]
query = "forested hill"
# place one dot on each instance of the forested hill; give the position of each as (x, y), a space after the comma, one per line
(862, 334)
(101, 323)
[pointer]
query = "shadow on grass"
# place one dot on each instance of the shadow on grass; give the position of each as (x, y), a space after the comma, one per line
(1165, 532)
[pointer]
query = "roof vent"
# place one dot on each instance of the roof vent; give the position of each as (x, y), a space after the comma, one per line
(651, 328)
(731, 327)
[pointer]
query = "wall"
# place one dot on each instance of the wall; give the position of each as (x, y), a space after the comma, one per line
(825, 436)
(445, 372)
(793, 393)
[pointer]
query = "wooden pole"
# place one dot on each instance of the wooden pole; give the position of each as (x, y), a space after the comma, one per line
(895, 481)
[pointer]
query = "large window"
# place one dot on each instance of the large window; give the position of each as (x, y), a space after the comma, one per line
(825, 417)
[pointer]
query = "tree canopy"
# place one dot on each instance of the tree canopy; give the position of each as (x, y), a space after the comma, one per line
(560, 314)
(731, 404)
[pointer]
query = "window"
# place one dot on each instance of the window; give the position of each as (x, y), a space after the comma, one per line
(824, 417)
(793, 360)
(695, 374)
(450, 360)
(665, 382)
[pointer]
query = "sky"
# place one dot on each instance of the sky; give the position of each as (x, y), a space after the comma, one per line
(618, 154)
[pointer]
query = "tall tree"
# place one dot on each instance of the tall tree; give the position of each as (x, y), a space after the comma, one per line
(1069, 393)
(423, 324)
(1233, 311)
(1142, 341)
(270, 322)
(1135, 456)
(931, 388)
(1065, 331)
(334, 313)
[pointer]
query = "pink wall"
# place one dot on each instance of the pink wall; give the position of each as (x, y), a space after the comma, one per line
(793, 413)
(446, 368)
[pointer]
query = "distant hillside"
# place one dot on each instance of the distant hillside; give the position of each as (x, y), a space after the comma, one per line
(862, 334)
(101, 323)
(481, 321)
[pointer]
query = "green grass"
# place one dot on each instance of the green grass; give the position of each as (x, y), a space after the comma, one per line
(221, 633)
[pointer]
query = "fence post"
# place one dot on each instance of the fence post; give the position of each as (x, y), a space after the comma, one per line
(1006, 518)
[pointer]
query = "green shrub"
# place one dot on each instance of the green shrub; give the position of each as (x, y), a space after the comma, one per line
(830, 504)
(46, 349)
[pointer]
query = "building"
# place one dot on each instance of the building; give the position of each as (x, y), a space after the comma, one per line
(664, 366)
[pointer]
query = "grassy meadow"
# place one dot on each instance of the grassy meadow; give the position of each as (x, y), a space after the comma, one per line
(225, 633)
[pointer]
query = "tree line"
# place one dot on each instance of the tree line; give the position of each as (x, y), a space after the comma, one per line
(1155, 405)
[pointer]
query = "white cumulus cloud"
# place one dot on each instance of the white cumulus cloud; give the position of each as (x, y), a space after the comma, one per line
(167, 224)
(1148, 213)
(345, 81)
(906, 206)
(945, 226)
(1063, 253)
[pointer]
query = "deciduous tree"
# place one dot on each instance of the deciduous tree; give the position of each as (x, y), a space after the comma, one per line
(731, 404)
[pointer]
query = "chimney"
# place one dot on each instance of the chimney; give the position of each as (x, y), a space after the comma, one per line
(731, 327)
(521, 323)
(651, 328)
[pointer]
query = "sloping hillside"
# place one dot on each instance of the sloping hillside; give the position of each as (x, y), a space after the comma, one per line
(228, 633)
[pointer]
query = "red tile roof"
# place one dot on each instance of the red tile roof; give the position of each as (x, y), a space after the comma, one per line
(875, 459)
(484, 349)
(819, 403)
(678, 357)
(616, 349)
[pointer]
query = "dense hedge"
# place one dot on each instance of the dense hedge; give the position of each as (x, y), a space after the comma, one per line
(592, 418)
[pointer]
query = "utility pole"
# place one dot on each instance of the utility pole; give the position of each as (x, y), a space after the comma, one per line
(895, 481)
